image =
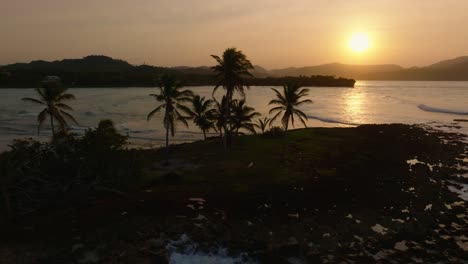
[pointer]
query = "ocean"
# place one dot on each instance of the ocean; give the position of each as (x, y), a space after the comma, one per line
(436, 104)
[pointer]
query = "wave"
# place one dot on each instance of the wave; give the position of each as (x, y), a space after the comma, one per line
(441, 110)
(329, 120)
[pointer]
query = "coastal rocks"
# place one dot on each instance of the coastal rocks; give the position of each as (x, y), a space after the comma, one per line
(379, 229)
(401, 246)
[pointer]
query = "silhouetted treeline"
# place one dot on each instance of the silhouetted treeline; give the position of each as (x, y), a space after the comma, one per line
(102, 71)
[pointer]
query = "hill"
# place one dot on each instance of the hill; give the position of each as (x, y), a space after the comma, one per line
(447, 70)
(336, 69)
(102, 71)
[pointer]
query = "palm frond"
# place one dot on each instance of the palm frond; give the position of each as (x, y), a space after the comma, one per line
(69, 117)
(157, 109)
(32, 100)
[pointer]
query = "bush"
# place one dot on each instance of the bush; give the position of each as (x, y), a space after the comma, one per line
(36, 175)
(274, 132)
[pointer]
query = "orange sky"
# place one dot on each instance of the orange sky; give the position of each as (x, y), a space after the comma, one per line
(272, 33)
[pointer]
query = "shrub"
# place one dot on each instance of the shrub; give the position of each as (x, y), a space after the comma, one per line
(274, 132)
(36, 175)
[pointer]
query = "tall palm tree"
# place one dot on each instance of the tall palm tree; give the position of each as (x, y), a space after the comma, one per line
(202, 113)
(288, 103)
(262, 124)
(242, 116)
(171, 98)
(231, 73)
(52, 95)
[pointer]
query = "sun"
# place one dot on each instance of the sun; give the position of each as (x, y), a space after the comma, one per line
(359, 42)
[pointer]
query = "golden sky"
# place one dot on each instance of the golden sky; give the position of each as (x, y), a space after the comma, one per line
(272, 33)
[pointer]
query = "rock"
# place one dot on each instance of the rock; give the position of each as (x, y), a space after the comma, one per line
(401, 246)
(379, 229)
(463, 245)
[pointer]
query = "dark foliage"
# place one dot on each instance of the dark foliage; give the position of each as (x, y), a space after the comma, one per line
(274, 132)
(36, 175)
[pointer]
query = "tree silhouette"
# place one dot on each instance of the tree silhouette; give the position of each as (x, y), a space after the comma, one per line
(171, 98)
(242, 116)
(231, 73)
(288, 103)
(219, 115)
(202, 113)
(262, 124)
(52, 96)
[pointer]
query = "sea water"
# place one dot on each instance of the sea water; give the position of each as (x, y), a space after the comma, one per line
(437, 104)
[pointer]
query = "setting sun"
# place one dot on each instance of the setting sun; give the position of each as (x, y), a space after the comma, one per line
(359, 42)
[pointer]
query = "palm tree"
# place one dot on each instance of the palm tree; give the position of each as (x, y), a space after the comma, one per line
(219, 115)
(242, 116)
(202, 113)
(52, 96)
(262, 124)
(287, 103)
(231, 71)
(171, 98)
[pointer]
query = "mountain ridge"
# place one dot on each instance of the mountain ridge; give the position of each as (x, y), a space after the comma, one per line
(455, 69)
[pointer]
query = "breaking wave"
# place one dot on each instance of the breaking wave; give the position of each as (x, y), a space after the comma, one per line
(330, 120)
(441, 110)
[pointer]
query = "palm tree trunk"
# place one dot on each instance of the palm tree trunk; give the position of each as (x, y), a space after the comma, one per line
(167, 137)
(52, 125)
(204, 134)
(227, 132)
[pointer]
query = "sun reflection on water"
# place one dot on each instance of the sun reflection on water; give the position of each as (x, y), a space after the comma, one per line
(354, 106)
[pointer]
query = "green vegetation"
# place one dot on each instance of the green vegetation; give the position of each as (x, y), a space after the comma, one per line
(52, 95)
(38, 176)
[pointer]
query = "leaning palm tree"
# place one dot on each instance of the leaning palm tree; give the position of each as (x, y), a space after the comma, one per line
(288, 102)
(242, 116)
(231, 73)
(171, 98)
(52, 95)
(263, 124)
(202, 113)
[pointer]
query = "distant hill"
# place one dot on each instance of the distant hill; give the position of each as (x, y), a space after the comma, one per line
(103, 71)
(89, 63)
(448, 70)
(337, 69)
